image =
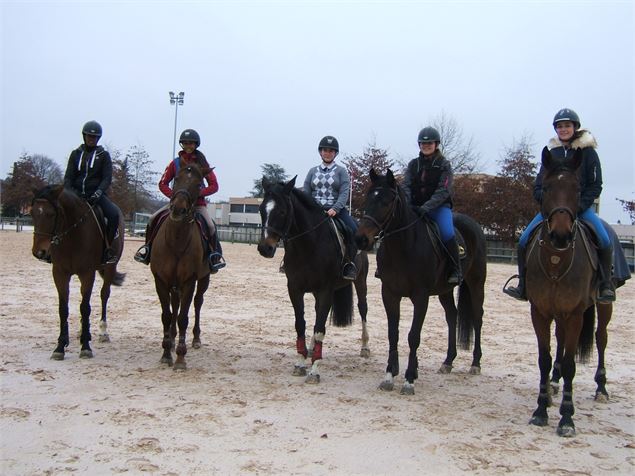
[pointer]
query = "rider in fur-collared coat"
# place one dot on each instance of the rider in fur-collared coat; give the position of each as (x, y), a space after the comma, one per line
(569, 138)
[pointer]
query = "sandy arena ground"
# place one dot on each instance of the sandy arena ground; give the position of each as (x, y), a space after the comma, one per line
(238, 410)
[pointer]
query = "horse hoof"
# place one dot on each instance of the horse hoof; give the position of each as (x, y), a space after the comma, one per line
(445, 369)
(312, 378)
(386, 386)
(474, 370)
(86, 354)
(601, 397)
(179, 366)
(566, 431)
(57, 356)
(407, 389)
(166, 360)
(299, 371)
(365, 353)
(104, 338)
(196, 344)
(538, 421)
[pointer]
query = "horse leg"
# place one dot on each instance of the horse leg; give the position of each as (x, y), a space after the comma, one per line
(556, 373)
(297, 300)
(605, 312)
(571, 337)
(447, 301)
(542, 327)
(187, 293)
(87, 281)
(323, 304)
(104, 295)
(477, 294)
(62, 285)
(163, 291)
(414, 338)
(391, 305)
(175, 301)
(201, 287)
(361, 289)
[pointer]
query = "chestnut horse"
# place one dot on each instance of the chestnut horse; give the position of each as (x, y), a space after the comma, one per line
(413, 265)
(67, 234)
(179, 265)
(312, 264)
(561, 285)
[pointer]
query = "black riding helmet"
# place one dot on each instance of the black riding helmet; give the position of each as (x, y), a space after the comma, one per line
(329, 142)
(190, 135)
(92, 128)
(429, 134)
(566, 114)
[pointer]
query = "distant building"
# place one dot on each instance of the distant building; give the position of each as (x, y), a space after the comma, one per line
(240, 211)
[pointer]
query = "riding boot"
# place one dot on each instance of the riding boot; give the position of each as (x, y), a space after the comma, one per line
(349, 270)
(606, 292)
(112, 233)
(454, 264)
(216, 260)
(143, 254)
(519, 292)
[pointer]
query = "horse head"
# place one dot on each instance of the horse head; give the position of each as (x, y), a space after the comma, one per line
(276, 214)
(560, 195)
(381, 203)
(187, 185)
(45, 211)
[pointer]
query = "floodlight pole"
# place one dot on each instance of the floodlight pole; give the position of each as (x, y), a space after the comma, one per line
(176, 99)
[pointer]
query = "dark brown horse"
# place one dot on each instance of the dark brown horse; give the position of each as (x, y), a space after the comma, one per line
(312, 263)
(68, 235)
(179, 265)
(412, 265)
(561, 285)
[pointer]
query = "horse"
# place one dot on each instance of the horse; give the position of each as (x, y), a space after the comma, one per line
(412, 265)
(67, 233)
(561, 286)
(179, 265)
(312, 264)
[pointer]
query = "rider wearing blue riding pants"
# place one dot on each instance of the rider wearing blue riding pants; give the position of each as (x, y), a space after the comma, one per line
(89, 174)
(428, 186)
(570, 137)
(330, 185)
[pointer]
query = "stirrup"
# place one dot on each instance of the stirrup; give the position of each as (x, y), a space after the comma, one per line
(349, 271)
(608, 297)
(110, 257)
(216, 261)
(143, 255)
(454, 278)
(514, 291)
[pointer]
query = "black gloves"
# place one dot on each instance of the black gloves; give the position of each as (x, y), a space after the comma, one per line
(94, 198)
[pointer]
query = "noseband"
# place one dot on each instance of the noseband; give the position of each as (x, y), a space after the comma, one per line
(56, 238)
(188, 198)
(284, 236)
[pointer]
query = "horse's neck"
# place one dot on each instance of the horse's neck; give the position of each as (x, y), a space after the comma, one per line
(304, 219)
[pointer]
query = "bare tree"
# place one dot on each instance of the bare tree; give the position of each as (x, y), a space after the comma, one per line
(629, 207)
(46, 168)
(459, 150)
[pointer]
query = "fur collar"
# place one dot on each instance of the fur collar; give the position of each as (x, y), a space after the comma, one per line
(584, 140)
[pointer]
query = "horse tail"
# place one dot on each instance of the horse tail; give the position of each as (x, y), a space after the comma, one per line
(117, 279)
(585, 342)
(465, 316)
(342, 314)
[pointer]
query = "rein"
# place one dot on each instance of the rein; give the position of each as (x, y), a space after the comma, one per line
(570, 249)
(285, 235)
(189, 200)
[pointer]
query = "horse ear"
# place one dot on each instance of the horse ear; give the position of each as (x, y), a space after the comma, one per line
(577, 159)
(290, 185)
(56, 190)
(547, 158)
(390, 177)
(265, 183)
(373, 174)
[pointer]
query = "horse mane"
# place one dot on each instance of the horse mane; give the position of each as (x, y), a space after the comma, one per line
(306, 199)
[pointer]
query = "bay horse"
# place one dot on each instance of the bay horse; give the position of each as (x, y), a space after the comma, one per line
(67, 234)
(412, 265)
(179, 265)
(561, 285)
(312, 264)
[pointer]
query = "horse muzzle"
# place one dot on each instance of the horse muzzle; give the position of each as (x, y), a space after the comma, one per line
(267, 249)
(42, 255)
(364, 241)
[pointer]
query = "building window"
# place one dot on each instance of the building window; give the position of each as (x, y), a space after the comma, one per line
(251, 209)
(236, 208)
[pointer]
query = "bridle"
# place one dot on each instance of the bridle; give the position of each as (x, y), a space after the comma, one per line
(389, 217)
(284, 236)
(56, 238)
(188, 198)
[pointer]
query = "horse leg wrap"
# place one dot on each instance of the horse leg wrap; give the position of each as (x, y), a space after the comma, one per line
(317, 349)
(300, 345)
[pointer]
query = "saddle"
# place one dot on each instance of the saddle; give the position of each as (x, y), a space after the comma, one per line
(343, 234)
(435, 238)
(99, 216)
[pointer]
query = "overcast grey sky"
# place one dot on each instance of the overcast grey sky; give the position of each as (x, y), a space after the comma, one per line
(264, 81)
